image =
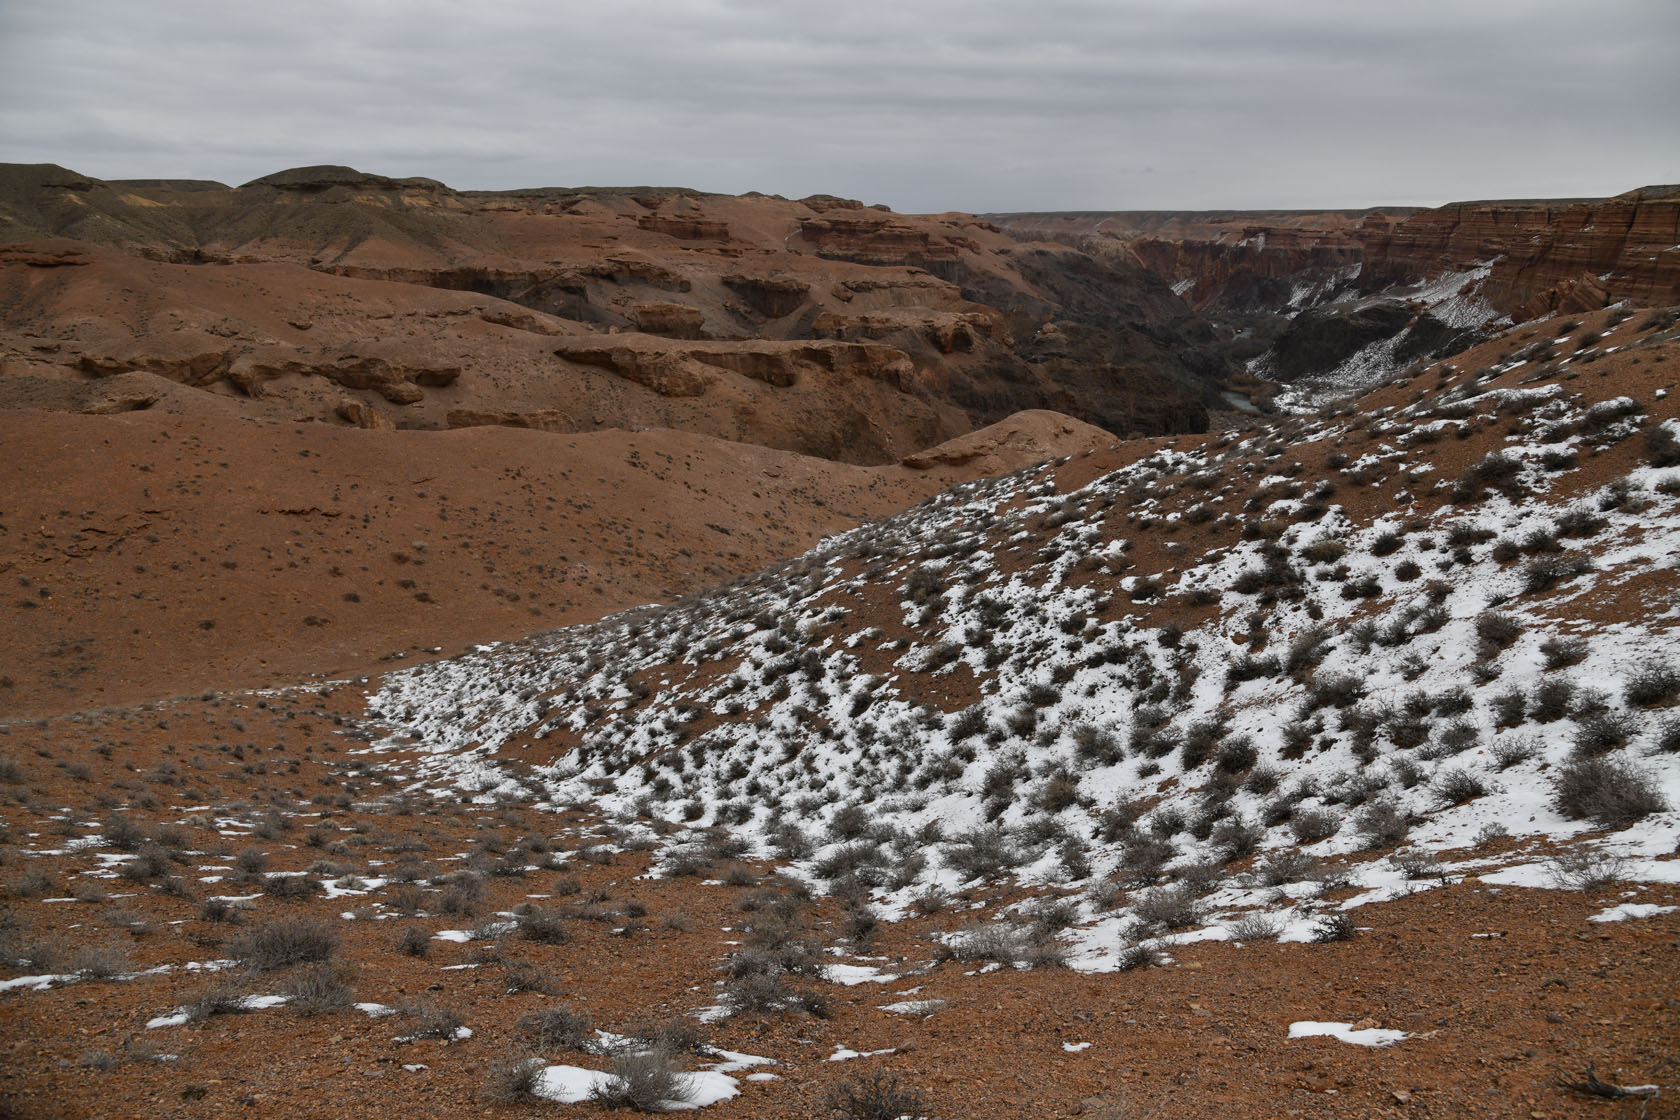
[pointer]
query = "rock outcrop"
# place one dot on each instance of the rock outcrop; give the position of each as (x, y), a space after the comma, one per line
(1251, 272)
(1547, 256)
(1017, 441)
(823, 326)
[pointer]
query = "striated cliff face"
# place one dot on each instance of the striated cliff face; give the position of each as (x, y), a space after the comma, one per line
(1571, 254)
(1298, 294)
(1225, 261)
(819, 325)
(1547, 256)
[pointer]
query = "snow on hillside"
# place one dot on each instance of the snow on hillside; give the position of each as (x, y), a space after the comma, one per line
(1454, 299)
(1020, 678)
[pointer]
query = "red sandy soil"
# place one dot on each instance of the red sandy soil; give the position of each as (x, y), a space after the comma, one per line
(1500, 990)
(149, 555)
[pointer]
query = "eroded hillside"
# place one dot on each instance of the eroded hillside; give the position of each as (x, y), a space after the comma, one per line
(820, 326)
(1329, 765)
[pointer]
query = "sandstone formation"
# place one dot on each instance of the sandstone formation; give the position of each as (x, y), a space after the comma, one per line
(1576, 255)
(821, 326)
(1543, 253)
(1257, 274)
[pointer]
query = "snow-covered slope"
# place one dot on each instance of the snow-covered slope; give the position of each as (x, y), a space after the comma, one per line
(1192, 681)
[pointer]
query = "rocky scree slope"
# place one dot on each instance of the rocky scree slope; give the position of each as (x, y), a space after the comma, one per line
(1183, 680)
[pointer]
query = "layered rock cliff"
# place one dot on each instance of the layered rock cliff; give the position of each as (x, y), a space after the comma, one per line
(1299, 293)
(818, 325)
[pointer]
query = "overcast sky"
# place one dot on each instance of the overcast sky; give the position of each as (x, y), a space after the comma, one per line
(920, 104)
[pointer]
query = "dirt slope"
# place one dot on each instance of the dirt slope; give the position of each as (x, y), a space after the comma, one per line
(153, 555)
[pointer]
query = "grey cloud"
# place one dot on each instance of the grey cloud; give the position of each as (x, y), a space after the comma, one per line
(926, 105)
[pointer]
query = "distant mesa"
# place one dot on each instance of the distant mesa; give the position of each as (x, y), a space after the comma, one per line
(326, 176)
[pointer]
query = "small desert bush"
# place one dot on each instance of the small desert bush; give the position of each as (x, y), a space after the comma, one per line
(512, 1079)
(1235, 755)
(33, 884)
(1653, 683)
(1236, 838)
(1309, 825)
(1457, 786)
(1510, 752)
(1175, 907)
(1334, 927)
(1497, 629)
(1418, 863)
(220, 997)
(122, 833)
(1288, 866)
(765, 993)
(1545, 572)
(646, 1082)
(322, 989)
(1017, 944)
(877, 1095)
(291, 888)
(1137, 954)
(1382, 824)
(251, 861)
(1262, 780)
(546, 927)
(414, 942)
(1510, 707)
(1256, 925)
(428, 1020)
(101, 962)
(1584, 868)
(524, 976)
(1496, 471)
(288, 941)
(1604, 732)
(1662, 444)
(982, 853)
(667, 1036)
(1561, 653)
(1553, 699)
(220, 910)
(558, 1027)
(1607, 791)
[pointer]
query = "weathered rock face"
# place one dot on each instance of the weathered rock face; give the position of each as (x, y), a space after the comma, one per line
(180, 360)
(1324, 337)
(879, 240)
(685, 227)
(1544, 254)
(1547, 256)
(1259, 273)
(673, 320)
(770, 296)
(821, 326)
(1253, 272)
(1226, 261)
